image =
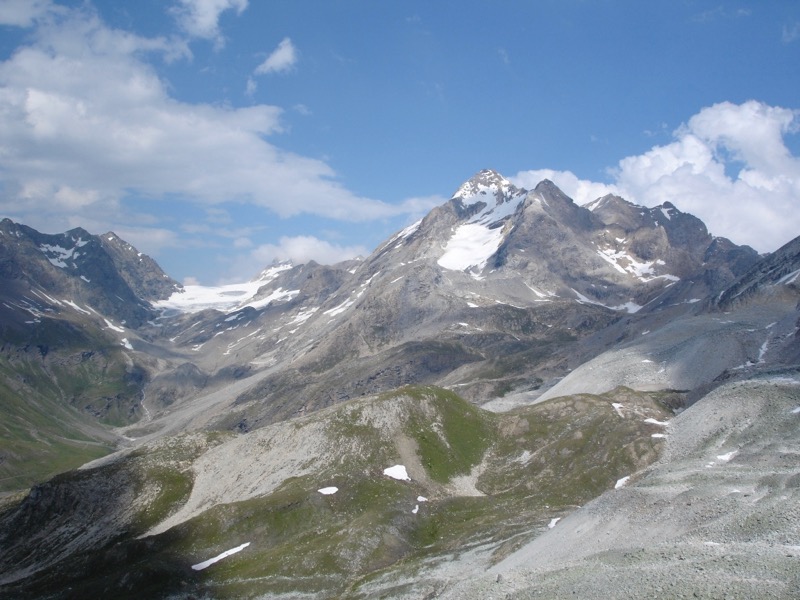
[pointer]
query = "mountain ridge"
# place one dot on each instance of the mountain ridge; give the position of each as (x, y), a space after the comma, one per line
(519, 355)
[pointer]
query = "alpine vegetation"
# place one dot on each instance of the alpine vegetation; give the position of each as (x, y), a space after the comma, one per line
(515, 396)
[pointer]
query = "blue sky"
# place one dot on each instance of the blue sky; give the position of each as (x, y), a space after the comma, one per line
(219, 135)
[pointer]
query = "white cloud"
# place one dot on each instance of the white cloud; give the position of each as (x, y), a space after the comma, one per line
(791, 33)
(86, 122)
(580, 190)
(303, 248)
(728, 165)
(282, 59)
(23, 13)
(200, 18)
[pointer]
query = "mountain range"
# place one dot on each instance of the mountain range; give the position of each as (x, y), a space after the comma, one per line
(493, 389)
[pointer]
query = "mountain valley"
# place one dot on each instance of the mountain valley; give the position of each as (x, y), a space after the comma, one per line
(515, 396)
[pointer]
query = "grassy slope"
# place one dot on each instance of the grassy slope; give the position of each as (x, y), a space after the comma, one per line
(532, 464)
(57, 390)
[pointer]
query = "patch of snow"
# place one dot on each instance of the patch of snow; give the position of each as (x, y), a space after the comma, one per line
(618, 408)
(57, 255)
(625, 263)
(277, 295)
(327, 491)
(654, 422)
(553, 522)
(225, 298)
(621, 482)
(630, 307)
(397, 472)
(113, 327)
(524, 457)
(762, 351)
(658, 435)
(790, 278)
(543, 296)
(728, 456)
(336, 310)
(207, 563)
(470, 247)
(409, 230)
(421, 499)
(78, 308)
(126, 343)
(303, 315)
(415, 510)
(272, 272)
(796, 410)
(86, 280)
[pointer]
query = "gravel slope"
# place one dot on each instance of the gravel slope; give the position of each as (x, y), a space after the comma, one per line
(717, 517)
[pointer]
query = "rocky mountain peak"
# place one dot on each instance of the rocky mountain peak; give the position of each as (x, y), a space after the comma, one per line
(485, 184)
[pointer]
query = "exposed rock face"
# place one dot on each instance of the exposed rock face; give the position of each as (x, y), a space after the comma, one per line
(101, 272)
(590, 322)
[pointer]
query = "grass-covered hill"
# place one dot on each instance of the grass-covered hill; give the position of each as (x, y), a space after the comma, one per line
(134, 525)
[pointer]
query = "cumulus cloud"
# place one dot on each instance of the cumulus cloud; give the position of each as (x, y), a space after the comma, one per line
(580, 190)
(23, 13)
(200, 18)
(282, 59)
(303, 248)
(86, 121)
(790, 33)
(728, 165)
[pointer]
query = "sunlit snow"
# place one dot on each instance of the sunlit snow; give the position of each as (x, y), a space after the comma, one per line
(790, 278)
(76, 307)
(470, 246)
(327, 491)
(654, 422)
(397, 472)
(553, 522)
(621, 482)
(113, 327)
(219, 557)
(225, 298)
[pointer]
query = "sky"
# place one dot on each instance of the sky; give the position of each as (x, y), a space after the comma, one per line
(220, 135)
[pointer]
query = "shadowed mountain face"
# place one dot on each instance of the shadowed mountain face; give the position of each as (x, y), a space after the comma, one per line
(517, 353)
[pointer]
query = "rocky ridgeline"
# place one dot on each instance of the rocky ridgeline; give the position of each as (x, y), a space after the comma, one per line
(585, 327)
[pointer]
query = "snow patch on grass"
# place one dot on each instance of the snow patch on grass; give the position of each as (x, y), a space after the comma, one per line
(219, 557)
(397, 472)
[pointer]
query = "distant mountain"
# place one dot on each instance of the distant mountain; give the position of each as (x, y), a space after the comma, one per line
(68, 305)
(77, 271)
(500, 376)
(777, 274)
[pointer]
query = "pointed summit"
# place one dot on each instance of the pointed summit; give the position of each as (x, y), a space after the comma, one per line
(485, 184)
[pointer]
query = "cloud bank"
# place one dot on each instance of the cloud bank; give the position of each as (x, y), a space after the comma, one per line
(729, 165)
(86, 121)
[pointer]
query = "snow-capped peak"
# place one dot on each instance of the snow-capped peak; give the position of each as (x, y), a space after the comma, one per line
(272, 271)
(484, 185)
